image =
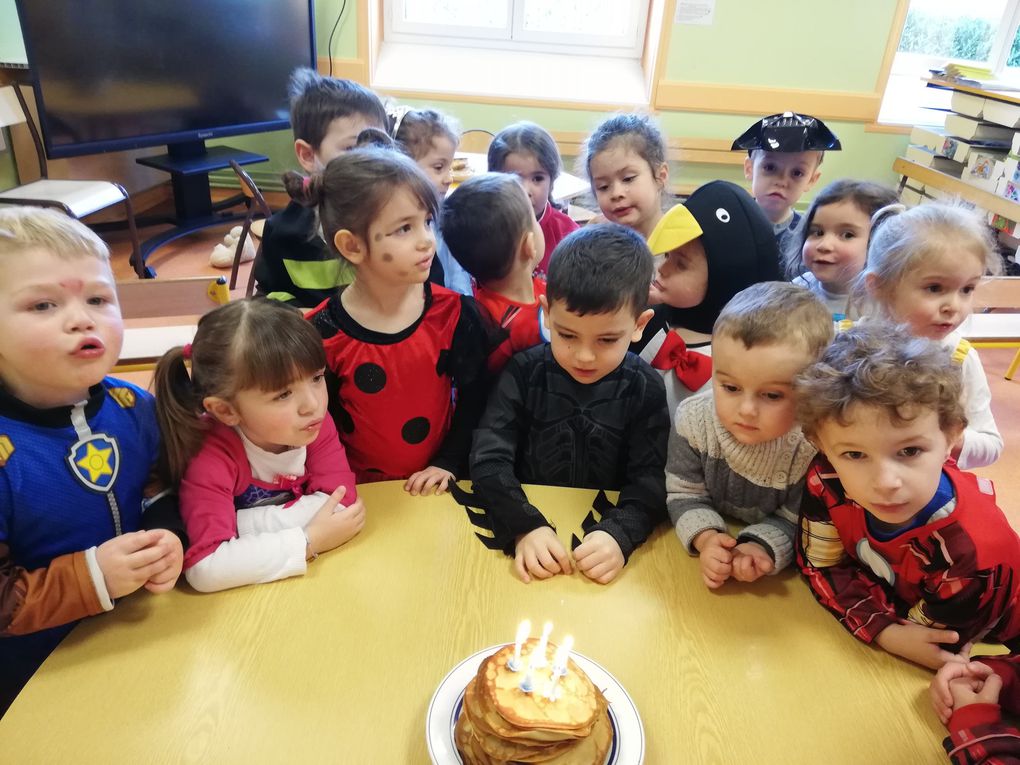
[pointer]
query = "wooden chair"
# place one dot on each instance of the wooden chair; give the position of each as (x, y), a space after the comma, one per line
(475, 141)
(74, 197)
(989, 329)
(256, 204)
(182, 299)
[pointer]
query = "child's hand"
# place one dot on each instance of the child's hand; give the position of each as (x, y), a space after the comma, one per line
(599, 557)
(973, 674)
(131, 560)
(715, 549)
(540, 554)
(751, 562)
(918, 644)
(423, 481)
(173, 560)
(333, 524)
(967, 691)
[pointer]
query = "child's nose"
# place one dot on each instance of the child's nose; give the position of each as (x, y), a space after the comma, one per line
(887, 478)
(748, 406)
(79, 318)
(585, 354)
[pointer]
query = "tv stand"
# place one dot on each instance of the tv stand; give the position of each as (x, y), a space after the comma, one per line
(189, 165)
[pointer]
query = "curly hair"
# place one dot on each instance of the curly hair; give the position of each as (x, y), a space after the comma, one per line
(638, 132)
(878, 364)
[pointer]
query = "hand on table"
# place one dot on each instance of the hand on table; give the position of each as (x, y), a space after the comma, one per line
(425, 480)
(173, 560)
(599, 557)
(716, 551)
(958, 684)
(918, 644)
(131, 560)
(540, 554)
(750, 561)
(334, 524)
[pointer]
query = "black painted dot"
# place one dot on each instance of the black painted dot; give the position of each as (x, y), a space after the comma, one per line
(344, 420)
(415, 430)
(443, 362)
(370, 378)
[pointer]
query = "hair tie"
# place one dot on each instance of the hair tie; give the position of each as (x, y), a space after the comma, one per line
(306, 182)
(186, 351)
(396, 113)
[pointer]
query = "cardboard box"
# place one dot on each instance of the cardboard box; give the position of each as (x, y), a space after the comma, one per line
(968, 128)
(967, 103)
(1002, 113)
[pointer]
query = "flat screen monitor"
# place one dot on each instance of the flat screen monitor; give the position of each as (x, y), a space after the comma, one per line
(125, 74)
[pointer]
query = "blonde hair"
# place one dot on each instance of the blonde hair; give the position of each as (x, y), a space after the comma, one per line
(27, 228)
(876, 363)
(901, 240)
(776, 312)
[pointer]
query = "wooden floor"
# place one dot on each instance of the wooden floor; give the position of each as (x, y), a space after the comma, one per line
(189, 256)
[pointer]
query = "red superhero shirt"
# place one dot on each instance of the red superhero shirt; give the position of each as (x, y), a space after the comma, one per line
(958, 570)
(392, 395)
(523, 322)
(555, 225)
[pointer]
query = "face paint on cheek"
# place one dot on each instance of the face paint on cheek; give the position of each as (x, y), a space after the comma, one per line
(387, 258)
(377, 238)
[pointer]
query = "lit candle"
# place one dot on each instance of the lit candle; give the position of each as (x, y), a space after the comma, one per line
(562, 656)
(523, 631)
(538, 659)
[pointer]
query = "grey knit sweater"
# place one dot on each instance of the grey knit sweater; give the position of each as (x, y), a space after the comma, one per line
(708, 471)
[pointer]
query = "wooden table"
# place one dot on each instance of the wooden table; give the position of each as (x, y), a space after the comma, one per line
(339, 665)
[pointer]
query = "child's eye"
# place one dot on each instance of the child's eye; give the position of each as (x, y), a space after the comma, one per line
(629, 178)
(814, 232)
(282, 396)
(768, 167)
(405, 229)
(798, 173)
(911, 451)
(968, 289)
(848, 235)
(539, 179)
(772, 396)
(440, 167)
(852, 455)
(608, 340)
(935, 289)
(566, 336)
(318, 377)
(98, 300)
(730, 388)
(42, 305)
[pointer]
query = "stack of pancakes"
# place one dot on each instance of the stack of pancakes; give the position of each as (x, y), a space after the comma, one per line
(500, 723)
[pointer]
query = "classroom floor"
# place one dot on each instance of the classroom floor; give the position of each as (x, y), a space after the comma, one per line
(189, 256)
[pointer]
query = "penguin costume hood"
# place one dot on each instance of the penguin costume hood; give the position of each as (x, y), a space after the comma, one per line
(739, 243)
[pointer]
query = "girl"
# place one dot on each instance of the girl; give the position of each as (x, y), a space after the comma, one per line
(397, 346)
(529, 152)
(247, 439)
(714, 245)
(625, 159)
(431, 139)
(832, 241)
(923, 266)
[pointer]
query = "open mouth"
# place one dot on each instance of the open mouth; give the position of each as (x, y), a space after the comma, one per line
(313, 426)
(89, 348)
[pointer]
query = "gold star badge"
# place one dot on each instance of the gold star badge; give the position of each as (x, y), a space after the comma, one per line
(96, 462)
(6, 450)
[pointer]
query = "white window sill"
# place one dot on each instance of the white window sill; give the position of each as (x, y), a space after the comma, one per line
(510, 74)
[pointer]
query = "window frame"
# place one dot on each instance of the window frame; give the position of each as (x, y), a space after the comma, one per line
(513, 36)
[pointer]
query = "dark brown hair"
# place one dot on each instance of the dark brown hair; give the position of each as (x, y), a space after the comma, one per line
(315, 101)
(525, 138)
(638, 132)
(247, 344)
(418, 128)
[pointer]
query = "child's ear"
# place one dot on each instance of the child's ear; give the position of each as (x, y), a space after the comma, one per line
(526, 250)
(749, 167)
(871, 284)
(222, 410)
(305, 155)
(814, 178)
(642, 322)
(662, 175)
(351, 246)
(545, 310)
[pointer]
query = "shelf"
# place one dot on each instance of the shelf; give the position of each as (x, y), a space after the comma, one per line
(1007, 96)
(984, 199)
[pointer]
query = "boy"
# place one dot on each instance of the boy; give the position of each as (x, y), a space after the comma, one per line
(905, 549)
(491, 230)
(784, 159)
(76, 447)
(580, 411)
(735, 448)
(327, 115)
(969, 698)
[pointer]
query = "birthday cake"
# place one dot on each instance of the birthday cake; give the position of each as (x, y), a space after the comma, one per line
(558, 717)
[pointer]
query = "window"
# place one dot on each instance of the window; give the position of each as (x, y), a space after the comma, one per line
(584, 27)
(980, 32)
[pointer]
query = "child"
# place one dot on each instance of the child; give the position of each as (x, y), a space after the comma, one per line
(327, 115)
(493, 234)
(77, 451)
(784, 159)
(923, 267)
(529, 152)
(397, 346)
(246, 441)
(832, 243)
(431, 139)
(735, 448)
(581, 412)
(625, 159)
(905, 549)
(712, 246)
(969, 698)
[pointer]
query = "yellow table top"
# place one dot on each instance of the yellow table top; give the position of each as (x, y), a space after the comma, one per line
(340, 665)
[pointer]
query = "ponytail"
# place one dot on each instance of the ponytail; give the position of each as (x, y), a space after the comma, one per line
(178, 411)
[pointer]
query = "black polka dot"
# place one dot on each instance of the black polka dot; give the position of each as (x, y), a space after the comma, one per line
(344, 420)
(370, 378)
(415, 430)
(443, 362)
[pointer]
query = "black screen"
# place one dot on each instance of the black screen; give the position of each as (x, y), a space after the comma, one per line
(121, 74)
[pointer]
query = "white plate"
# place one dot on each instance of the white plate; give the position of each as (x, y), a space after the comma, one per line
(628, 735)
